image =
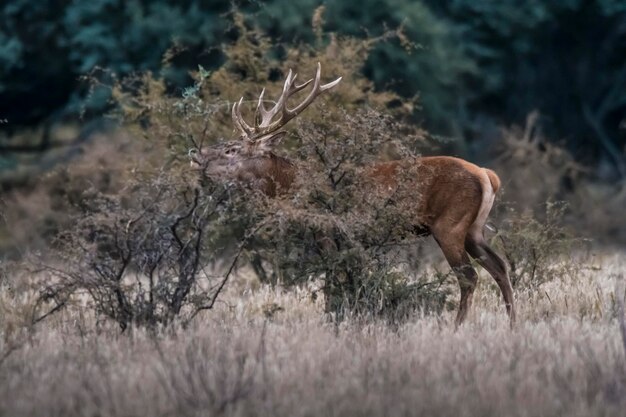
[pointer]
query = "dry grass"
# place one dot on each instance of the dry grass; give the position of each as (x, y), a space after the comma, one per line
(267, 352)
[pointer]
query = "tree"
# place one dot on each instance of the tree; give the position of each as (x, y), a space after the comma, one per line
(45, 46)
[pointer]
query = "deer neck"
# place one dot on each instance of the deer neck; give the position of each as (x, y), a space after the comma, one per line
(273, 174)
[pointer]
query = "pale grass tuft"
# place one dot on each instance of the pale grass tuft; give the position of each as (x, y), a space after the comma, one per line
(564, 358)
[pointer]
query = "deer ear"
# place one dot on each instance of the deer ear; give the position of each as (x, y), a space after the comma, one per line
(272, 140)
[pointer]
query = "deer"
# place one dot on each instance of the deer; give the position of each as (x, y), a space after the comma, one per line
(455, 196)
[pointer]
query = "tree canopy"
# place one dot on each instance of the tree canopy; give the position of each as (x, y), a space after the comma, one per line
(475, 65)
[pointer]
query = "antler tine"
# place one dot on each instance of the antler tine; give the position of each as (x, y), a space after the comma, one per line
(330, 85)
(267, 116)
(263, 117)
(315, 91)
(260, 111)
(301, 86)
(240, 124)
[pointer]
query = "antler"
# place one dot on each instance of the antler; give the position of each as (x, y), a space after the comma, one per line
(263, 124)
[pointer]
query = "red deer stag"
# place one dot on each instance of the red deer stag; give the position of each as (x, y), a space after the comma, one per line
(454, 201)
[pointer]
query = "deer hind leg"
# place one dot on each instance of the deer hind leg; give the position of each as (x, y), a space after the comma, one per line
(454, 251)
(488, 259)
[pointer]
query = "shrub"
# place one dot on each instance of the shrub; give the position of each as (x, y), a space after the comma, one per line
(336, 226)
(139, 255)
(331, 225)
(538, 249)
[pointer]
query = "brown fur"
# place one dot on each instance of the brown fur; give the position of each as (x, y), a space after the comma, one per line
(272, 173)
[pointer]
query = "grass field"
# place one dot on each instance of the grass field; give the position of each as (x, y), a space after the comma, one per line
(270, 352)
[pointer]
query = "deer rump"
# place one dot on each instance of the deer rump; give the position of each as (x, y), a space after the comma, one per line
(454, 199)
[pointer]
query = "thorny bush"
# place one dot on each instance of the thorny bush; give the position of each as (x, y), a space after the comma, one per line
(336, 226)
(139, 256)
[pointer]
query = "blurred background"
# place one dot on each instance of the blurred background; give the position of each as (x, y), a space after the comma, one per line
(535, 89)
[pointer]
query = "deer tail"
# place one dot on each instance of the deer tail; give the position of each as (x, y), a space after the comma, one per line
(494, 179)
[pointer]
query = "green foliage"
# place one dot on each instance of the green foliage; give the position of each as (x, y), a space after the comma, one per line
(200, 115)
(427, 60)
(46, 45)
(481, 64)
(475, 65)
(546, 55)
